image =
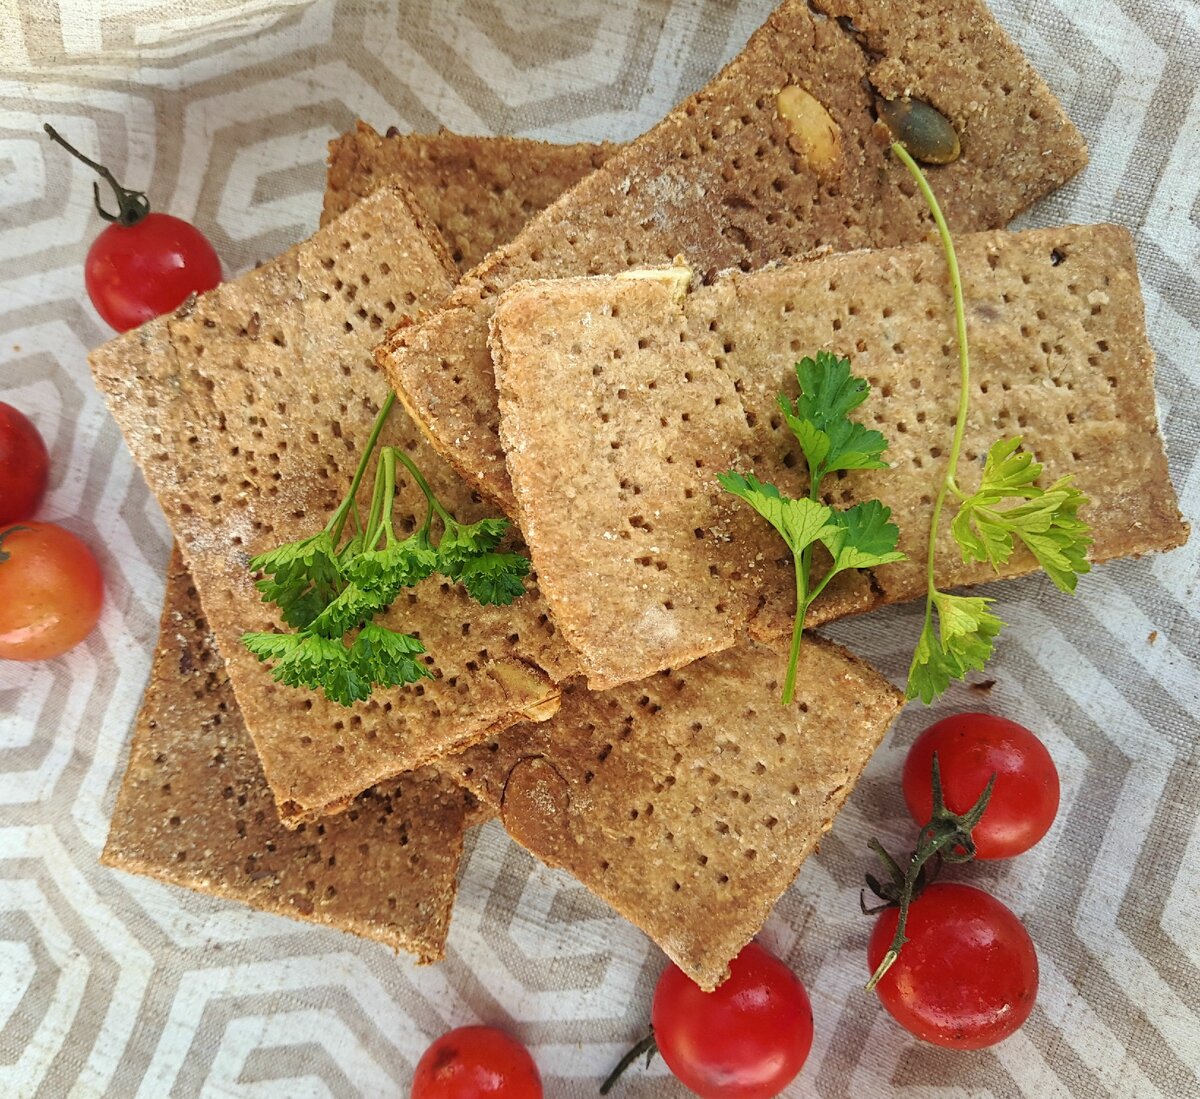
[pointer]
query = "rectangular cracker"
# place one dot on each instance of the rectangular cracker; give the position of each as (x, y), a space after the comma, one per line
(689, 801)
(647, 563)
(247, 411)
(479, 191)
(723, 180)
(195, 810)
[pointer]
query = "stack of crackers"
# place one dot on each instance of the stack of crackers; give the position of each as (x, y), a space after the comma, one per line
(554, 360)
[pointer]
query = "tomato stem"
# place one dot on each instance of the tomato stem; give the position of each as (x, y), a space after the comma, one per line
(947, 835)
(647, 1045)
(4, 554)
(132, 206)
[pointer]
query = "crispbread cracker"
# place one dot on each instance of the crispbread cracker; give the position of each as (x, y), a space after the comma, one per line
(723, 180)
(689, 801)
(479, 191)
(248, 410)
(195, 810)
(647, 563)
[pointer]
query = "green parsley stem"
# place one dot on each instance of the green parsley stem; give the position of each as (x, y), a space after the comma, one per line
(423, 485)
(337, 521)
(812, 596)
(380, 503)
(964, 366)
(388, 458)
(802, 601)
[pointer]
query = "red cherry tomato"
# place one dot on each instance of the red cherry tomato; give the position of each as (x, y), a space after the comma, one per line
(24, 465)
(971, 748)
(746, 1040)
(137, 272)
(51, 591)
(476, 1062)
(967, 977)
(144, 264)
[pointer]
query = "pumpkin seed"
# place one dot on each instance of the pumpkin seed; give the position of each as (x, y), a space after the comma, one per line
(924, 130)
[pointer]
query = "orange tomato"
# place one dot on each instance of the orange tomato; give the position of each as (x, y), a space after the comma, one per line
(51, 591)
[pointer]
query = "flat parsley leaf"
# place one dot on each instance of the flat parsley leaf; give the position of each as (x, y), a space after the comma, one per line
(962, 643)
(820, 418)
(1047, 522)
(800, 522)
(863, 537)
(858, 538)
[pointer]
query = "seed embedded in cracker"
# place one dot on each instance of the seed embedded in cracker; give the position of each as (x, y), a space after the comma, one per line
(923, 130)
(812, 133)
(719, 181)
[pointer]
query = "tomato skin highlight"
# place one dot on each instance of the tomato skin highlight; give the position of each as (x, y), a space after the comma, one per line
(971, 747)
(135, 273)
(51, 591)
(476, 1062)
(24, 465)
(968, 976)
(746, 1040)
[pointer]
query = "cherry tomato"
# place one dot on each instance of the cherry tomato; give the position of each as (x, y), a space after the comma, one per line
(746, 1040)
(24, 465)
(144, 264)
(50, 591)
(967, 977)
(476, 1062)
(137, 272)
(971, 748)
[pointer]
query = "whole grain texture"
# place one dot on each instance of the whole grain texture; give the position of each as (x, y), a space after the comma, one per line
(195, 810)
(728, 179)
(689, 801)
(478, 191)
(247, 411)
(647, 563)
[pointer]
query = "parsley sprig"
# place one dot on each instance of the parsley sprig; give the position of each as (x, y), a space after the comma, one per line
(328, 590)
(1045, 521)
(859, 537)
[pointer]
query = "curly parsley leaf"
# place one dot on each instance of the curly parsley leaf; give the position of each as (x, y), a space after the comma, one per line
(820, 418)
(388, 657)
(961, 643)
(301, 578)
(464, 542)
(309, 660)
(330, 591)
(495, 579)
(394, 567)
(352, 607)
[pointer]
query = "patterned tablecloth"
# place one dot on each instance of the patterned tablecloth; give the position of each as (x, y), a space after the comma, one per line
(114, 985)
